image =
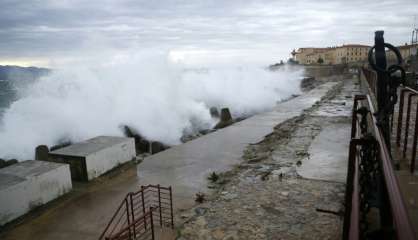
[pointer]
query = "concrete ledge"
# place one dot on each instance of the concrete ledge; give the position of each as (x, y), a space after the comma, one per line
(96, 156)
(29, 184)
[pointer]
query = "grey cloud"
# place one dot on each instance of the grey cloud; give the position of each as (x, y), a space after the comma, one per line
(51, 29)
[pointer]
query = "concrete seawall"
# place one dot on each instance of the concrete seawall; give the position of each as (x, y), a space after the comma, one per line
(324, 70)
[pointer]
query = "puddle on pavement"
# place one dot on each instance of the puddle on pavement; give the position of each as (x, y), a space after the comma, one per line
(328, 154)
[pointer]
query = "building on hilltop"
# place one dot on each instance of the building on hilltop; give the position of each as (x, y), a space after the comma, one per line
(407, 51)
(350, 53)
(308, 55)
(332, 55)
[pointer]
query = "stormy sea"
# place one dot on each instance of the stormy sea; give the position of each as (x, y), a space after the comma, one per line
(158, 98)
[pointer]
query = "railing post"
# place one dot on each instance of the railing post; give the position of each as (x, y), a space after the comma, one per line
(382, 85)
(349, 188)
(386, 98)
(408, 118)
(355, 204)
(127, 216)
(400, 117)
(159, 205)
(354, 118)
(152, 223)
(414, 146)
(143, 206)
(171, 207)
(132, 213)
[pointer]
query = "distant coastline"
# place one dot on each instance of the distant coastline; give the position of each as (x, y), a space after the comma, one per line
(13, 77)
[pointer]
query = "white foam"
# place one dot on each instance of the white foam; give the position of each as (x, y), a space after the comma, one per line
(150, 93)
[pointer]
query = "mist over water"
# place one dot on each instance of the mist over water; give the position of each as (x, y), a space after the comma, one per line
(158, 97)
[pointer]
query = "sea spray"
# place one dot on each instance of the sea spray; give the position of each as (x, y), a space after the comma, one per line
(156, 96)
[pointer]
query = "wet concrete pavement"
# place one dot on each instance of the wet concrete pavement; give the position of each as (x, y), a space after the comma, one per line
(266, 198)
(84, 213)
(186, 167)
(409, 188)
(328, 152)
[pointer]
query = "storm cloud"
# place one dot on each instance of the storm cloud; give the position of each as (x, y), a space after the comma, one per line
(41, 31)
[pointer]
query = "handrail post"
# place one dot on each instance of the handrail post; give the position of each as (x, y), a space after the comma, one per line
(171, 207)
(159, 205)
(349, 188)
(382, 85)
(414, 146)
(127, 216)
(143, 206)
(407, 120)
(354, 233)
(152, 223)
(383, 99)
(354, 118)
(400, 117)
(132, 213)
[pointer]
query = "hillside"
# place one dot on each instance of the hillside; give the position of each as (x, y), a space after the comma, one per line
(21, 73)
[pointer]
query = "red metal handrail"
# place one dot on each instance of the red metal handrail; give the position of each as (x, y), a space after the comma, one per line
(409, 93)
(371, 79)
(352, 208)
(126, 232)
(401, 221)
(133, 210)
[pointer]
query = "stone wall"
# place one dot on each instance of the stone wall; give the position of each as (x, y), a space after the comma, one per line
(324, 71)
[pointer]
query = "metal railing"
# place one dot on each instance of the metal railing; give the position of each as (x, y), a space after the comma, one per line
(406, 121)
(403, 120)
(371, 79)
(370, 168)
(141, 229)
(135, 216)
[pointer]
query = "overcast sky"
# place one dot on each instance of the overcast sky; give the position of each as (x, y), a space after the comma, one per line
(40, 32)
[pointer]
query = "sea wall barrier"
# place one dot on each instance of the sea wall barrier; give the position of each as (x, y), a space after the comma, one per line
(30, 184)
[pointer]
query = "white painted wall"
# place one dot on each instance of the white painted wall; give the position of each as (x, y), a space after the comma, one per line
(106, 159)
(33, 190)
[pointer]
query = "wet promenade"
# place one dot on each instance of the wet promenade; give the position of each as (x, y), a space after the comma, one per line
(187, 166)
(291, 185)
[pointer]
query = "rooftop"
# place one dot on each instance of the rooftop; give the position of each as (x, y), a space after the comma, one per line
(355, 45)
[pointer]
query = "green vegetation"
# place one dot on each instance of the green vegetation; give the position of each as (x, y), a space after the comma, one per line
(213, 177)
(200, 197)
